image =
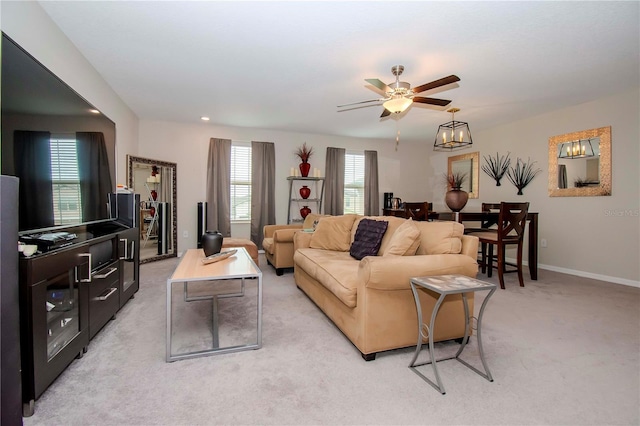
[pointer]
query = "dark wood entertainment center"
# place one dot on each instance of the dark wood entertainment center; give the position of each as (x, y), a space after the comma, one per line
(67, 294)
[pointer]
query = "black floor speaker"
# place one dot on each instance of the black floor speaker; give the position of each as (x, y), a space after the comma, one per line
(202, 221)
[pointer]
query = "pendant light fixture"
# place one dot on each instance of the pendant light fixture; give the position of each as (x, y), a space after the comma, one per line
(576, 149)
(452, 135)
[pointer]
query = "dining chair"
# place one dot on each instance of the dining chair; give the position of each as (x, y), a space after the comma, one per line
(510, 231)
(488, 222)
(417, 211)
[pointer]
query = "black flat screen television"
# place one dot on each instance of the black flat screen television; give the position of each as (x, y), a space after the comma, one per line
(59, 145)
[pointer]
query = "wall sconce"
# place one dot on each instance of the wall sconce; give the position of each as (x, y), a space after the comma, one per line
(452, 135)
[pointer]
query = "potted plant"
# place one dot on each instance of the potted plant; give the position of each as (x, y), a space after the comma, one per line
(304, 153)
(456, 198)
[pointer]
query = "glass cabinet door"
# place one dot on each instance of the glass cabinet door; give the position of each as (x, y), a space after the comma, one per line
(128, 255)
(62, 305)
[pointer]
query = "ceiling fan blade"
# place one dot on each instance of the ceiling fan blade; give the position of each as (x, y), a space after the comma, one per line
(363, 102)
(436, 83)
(380, 85)
(385, 113)
(431, 101)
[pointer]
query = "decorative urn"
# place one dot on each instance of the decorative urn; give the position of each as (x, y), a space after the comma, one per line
(211, 242)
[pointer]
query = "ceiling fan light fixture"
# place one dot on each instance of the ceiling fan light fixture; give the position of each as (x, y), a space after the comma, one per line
(397, 104)
(453, 135)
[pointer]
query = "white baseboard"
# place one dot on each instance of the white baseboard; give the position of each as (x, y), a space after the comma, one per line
(607, 278)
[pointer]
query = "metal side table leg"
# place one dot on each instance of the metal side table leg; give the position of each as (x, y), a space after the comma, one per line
(438, 386)
(214, 320)
(486, 374)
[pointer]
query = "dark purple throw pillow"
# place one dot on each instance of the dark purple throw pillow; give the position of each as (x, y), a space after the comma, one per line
(368, 238)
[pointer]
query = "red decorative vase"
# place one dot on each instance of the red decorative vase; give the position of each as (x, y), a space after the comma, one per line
(304, 168)
(154, 194)
(305, 191)
(152, 211)
(304, 212)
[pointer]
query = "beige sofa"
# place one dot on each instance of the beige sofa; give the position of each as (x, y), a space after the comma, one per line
(370, 300)
(278, 242)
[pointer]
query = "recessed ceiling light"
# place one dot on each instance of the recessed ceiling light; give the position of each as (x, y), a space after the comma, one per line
(203, 118)
(94, 111)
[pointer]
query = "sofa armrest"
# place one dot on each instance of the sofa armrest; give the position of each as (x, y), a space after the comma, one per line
(284, 235)
(269, 230)
(301, 240)
(394, 272)
(470, 245)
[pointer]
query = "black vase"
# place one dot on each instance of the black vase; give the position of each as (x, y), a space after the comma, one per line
(211, 242)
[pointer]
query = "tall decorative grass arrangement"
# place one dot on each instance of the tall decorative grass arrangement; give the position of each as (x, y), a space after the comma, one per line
(496, 167)
(522, 174)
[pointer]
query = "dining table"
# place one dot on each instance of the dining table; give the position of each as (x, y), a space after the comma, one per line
(478, 216)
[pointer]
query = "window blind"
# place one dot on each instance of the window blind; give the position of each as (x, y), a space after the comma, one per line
(354, 183)
(240, 181)
(67, 200)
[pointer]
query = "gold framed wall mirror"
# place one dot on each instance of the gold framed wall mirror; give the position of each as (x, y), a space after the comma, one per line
(467, 164)
(155, 181)
(580, 163)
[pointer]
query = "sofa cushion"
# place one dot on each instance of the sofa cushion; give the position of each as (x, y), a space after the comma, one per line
(394, 223)
(336, 271)
(440, 237)
(405, 241)
(310, 219)
(368, 238)
(333, 233)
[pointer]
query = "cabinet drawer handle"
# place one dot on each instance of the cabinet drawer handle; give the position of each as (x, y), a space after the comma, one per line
(106, 296)
(88, 279)
(111, 271)
(126, 247)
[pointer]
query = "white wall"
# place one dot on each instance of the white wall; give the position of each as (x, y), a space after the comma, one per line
(597, 237)
(591, 236)
(29, 26)
(402, 172)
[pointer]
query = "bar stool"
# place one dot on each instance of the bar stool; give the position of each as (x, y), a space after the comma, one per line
(417, 211)
(511, 223)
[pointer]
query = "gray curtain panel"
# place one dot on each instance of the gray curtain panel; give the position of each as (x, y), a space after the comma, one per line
(165, 193)
(263, 188)
(371, 195)
(32, 161)
(334, 181)
(562, 176)
(219, 186)
(94, 174)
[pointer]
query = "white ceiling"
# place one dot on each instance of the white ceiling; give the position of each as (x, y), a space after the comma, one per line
(287, 65)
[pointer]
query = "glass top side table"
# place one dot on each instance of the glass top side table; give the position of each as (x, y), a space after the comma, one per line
(445, 285)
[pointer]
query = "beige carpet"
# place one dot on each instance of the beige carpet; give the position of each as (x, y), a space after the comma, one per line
(562, 350)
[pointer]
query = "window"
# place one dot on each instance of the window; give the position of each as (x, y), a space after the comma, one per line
(67, 200)
(354, 183)
(240, 181)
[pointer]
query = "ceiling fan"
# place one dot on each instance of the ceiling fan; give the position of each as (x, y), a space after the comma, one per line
(399, 95)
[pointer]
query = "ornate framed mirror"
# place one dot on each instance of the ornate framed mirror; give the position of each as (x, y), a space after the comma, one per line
(468, 164)
(155, 181)
(580, 163)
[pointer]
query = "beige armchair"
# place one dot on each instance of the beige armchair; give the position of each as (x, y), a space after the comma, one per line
(278, 242)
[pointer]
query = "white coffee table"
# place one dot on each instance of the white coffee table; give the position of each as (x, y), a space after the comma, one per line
(445, 285)
(191, 269)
